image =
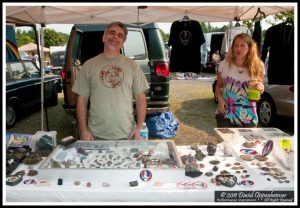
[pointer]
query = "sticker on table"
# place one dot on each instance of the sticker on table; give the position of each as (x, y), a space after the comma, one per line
(285, 143)
(146, 175)
(267, 148)
(248, 151)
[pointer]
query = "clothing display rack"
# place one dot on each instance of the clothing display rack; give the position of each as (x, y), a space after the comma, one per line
(237, 24)
(185, 17)
(260, 13)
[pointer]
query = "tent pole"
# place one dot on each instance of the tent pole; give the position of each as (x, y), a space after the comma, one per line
(42, 78)
(47, 123)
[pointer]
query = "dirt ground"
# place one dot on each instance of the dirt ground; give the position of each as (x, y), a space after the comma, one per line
(191, 102)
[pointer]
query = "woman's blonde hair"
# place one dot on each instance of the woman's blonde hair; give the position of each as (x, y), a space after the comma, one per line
(252, 62)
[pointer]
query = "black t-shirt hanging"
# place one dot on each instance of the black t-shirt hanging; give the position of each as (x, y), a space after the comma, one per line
(279, 42)
(186, 37)
(257, 34)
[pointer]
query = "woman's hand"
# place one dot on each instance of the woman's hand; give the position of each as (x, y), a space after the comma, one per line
(260, 86)
(222, 105)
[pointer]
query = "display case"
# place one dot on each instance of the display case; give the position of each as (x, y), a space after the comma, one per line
(124, 160)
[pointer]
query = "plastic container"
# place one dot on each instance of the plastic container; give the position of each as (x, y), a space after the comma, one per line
(253, 93)
(144, 133)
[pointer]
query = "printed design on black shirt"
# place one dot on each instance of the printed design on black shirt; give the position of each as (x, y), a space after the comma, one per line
(185, 37)
(111, 76)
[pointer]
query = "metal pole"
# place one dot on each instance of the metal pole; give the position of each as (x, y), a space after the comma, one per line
(42, 78)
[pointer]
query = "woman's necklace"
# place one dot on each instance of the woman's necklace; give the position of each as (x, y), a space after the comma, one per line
(241, 70)
(239, 66)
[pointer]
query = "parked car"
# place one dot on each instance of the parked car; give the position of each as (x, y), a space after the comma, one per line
(23, 88)
(276, 100)
(144, 44)
(57, 58)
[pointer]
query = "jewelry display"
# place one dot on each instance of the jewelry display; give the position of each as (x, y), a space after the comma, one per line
(133, 183)
(211, 149)
(88, 184)
(129, 157)
(60, 181)
(30, 181)
(227, 180)
(13, 180)
(192, 185)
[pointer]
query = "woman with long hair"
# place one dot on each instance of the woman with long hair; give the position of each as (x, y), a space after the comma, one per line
(240, 68)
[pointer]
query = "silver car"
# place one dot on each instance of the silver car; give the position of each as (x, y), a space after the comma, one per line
(276, 100)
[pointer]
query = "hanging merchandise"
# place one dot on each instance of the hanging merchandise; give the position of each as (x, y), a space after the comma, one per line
(279, 43)
(186, 37)
(257, 35)
(257, 28)
(229, 36)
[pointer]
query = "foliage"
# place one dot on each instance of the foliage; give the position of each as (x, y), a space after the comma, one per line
(25, 37)
(206, 27)
(164, 36)
(281, 17)
(51, 37)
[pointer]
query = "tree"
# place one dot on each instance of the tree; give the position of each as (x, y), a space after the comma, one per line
(24, 37)
(281, 17)
(51, 37)
(164, 36)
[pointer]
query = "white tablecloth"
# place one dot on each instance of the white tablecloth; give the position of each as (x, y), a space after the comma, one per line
(147, 191)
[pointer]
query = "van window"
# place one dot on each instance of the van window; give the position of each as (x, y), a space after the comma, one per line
(90, 45)
(134, 46)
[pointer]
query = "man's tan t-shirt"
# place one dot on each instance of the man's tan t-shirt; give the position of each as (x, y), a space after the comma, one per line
(111, 84)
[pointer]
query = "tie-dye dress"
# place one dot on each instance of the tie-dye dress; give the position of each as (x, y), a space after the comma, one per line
(236, 81)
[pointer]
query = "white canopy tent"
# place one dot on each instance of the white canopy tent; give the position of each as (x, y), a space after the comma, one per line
(132, 13)
(31, 47)
(141, 12)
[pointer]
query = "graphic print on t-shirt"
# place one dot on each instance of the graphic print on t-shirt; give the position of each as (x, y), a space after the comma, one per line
(240, 111)
(111, 76)
(185, 37)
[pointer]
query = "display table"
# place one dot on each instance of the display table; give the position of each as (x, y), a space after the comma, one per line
(156, 190)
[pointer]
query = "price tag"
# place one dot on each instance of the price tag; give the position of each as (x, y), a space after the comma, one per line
(285, 143)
